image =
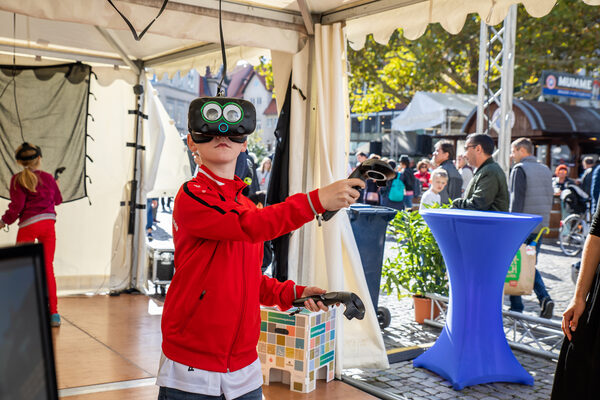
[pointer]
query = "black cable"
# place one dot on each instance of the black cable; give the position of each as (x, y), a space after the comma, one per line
(130, 25)
(223, 55)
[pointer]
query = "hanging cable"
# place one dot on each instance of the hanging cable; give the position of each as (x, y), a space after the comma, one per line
(220, 91)
(14, 73)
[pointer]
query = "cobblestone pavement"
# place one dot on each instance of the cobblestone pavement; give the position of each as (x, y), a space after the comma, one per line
(418, 383)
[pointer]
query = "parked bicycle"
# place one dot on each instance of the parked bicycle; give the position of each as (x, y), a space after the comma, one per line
(576, 226)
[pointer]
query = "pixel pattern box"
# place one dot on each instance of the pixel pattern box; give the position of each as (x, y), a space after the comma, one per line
(297, 349)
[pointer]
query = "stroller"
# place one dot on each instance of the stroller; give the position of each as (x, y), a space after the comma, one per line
(574, 200)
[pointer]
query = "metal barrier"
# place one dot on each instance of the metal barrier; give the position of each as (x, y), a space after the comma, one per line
(534, 335)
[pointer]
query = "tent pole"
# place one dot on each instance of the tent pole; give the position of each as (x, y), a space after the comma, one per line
(134, 200)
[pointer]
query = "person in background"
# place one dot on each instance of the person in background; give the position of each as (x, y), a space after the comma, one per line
(488, 190)
(530, 186)
(578, 369)
(264, 173)
(360, 157)
(586, 177)
(439, 179)
(423, 174)
(371, 192)
(33, 195)
(408, 178)
(389, 186)
(561, 180)
(442, 157)
(465, 171)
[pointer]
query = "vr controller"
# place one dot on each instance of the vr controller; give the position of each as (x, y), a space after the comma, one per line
(58, 171)
(378, 170)
(353, 303)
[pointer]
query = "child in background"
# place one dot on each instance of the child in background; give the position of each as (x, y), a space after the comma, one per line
(33, 195)
(439, 179)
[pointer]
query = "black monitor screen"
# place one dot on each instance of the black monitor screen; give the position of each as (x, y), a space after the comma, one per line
(26, 356)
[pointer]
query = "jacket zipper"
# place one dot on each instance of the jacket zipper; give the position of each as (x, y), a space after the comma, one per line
(242, 312)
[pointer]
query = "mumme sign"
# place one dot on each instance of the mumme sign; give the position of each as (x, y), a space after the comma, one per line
(569, 85)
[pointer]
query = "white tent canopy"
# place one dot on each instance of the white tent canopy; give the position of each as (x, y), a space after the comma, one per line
(427, 110)
(184, 37)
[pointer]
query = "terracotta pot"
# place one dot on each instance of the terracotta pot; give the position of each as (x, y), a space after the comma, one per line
(423, 309)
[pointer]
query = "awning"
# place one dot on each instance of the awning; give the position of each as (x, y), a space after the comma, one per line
(427, 110)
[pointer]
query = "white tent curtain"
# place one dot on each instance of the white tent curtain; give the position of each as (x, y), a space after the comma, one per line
(85, 253)
(331, 259)
(165, 167)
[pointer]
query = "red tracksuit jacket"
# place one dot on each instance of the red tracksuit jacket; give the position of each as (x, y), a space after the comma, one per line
(211, 317)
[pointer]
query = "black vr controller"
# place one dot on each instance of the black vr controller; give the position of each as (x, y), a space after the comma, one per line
(353, 303)
(58, 171)
(379, 171)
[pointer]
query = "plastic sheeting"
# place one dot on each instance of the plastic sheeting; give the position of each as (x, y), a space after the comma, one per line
(427, 110)
(48, 107)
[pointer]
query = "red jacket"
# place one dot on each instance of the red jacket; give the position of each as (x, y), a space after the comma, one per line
(211, 317)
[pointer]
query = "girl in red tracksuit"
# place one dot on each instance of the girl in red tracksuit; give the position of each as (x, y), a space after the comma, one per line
(33, 195)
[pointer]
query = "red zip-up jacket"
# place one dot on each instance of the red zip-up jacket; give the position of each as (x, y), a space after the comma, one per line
(211, 317)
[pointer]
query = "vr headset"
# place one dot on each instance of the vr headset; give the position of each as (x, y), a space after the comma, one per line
(221, 116)
(26, 148)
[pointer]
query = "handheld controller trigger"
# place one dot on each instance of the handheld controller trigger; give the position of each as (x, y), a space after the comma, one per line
(353, 303)
(379, 171)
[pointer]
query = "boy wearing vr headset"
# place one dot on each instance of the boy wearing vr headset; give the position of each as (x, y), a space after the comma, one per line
(211, 318)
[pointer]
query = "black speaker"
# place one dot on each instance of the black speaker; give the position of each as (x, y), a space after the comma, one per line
(375, 148)
(424, 145)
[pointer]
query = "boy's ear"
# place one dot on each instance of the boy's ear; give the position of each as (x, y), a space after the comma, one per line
(244, 146)
(191, 144)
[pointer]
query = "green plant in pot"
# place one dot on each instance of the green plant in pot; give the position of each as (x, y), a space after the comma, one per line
(419, 267)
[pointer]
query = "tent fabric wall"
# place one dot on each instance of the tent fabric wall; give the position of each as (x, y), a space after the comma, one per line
(84, 248)
(337, 264)
(451, 14)
(165, 167)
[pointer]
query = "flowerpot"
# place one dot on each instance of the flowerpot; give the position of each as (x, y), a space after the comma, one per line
(423, 309)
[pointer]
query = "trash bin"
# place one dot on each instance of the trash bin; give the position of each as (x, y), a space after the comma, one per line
(369, 224)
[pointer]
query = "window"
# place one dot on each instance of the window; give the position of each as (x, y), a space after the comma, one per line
(258, 100)
(259, 125)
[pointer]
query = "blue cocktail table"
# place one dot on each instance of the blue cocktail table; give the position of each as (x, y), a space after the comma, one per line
(478, 248)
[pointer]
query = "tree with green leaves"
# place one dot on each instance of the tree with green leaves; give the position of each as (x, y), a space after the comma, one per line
(384, 76)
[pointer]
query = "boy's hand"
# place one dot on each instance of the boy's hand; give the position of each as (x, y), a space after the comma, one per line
(310, 303)
(340, 194)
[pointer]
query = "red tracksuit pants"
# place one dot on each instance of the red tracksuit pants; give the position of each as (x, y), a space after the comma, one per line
(43, 231)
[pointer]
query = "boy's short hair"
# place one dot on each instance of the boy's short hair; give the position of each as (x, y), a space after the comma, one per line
(360, 153)
(523, 143)
(439, 173)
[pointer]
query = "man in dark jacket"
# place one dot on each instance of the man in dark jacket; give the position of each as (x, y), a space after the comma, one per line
(443, 157)
(531, 193)
(487, 191)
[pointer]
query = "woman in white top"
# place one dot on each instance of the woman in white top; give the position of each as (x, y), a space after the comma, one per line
(264, 173)
(464, 170)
